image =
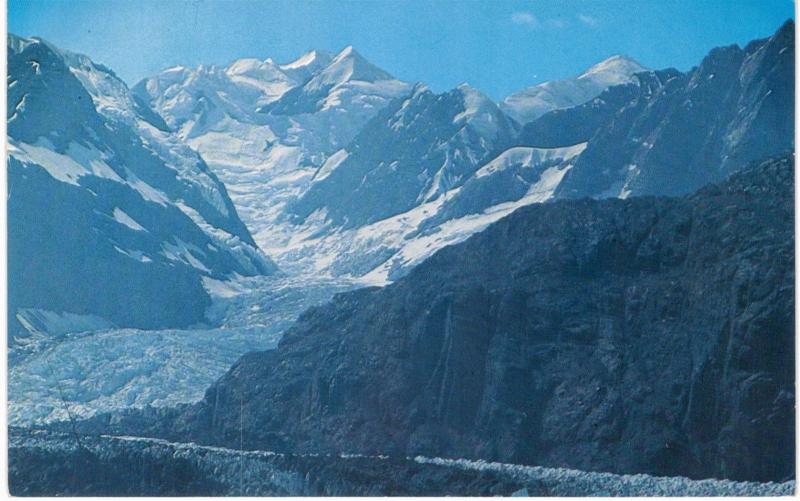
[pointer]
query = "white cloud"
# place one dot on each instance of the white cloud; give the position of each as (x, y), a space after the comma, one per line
(525, 18)
(588, 20)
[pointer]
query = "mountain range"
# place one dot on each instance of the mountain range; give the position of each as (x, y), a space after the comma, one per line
(406, 175)
(593, 273)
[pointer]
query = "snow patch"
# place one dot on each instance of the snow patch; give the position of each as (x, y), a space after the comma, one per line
(182, 252)
(330, 165)
(223, 289)
(528, 157)
(76, 162)
(122, 218)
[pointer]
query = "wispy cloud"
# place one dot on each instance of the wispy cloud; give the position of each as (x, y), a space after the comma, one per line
(528, 19)
(525, 18)
(588, 20)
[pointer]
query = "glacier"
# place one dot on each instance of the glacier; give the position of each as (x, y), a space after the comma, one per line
(83, 365)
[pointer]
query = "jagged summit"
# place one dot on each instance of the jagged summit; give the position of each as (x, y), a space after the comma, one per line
(306, 59)
(347, 65)
(479, 110)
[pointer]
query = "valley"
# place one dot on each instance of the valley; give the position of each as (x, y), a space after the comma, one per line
(314, 278)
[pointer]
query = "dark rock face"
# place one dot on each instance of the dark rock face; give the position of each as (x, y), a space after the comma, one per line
(673, 132)
(648, 335)
(577, 124)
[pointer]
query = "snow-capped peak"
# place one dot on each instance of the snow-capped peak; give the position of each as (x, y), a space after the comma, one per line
(309, 59)
(533, 102)
(479, 111)
(348, 51)
(17, 44)
(248, 65)
(348, 65)
(615, 70)
(263, 71)
(474, 99)
(109, 93)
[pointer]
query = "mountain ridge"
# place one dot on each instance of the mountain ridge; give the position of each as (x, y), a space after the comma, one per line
(533, 102)
(120, 192)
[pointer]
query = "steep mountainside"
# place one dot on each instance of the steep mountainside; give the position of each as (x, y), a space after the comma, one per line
(112, 219)
(405, 188)
(681, 131)
(533, 102)
(647, 335)
(580, 123)
(412, 152)
(384, 250)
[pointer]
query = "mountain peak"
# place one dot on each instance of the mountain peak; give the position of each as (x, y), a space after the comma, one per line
(479, 111)
(472, 94)
(533, 102)
(618, 67)
(17, 43)
(348, 65)
(311, 58)
(249, 66)
(348, 51)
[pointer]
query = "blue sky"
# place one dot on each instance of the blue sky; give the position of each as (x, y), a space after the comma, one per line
(498, 46)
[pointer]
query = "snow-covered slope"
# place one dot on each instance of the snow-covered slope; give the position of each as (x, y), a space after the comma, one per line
(350, 172)
(112, 218)
(535, 101)
(194, 100)
(384, 250)
(266, 128)
(335, 166)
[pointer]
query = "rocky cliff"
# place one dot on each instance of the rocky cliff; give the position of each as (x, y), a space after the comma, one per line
(647, 335)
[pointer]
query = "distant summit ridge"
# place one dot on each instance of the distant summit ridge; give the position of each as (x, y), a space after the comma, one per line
(533, 102)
